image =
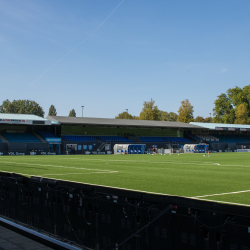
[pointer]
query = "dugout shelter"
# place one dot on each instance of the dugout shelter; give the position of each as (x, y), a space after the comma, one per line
(129, 148)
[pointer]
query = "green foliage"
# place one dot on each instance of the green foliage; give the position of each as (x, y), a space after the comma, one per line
(199, 119)
(21, 107)
(72, 113)
(165, 116)
(208, 120)
(52, 110)
(149, 111)
(226, 105)
(124, 115)
(241, 114)
(185, 112)
(223, 111)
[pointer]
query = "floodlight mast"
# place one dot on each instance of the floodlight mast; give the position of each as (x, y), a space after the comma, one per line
(82, 110)
(127, 113)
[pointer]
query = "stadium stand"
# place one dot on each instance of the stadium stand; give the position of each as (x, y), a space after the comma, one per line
(113, 139)
(208, 138)
(151, 139)
(21, 137)
(246, 137)
(193, 137)
(231, 139)
(79, 138)
(46, 134)
(176, 139)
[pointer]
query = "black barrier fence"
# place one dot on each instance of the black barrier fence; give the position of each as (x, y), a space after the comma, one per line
(102, 218)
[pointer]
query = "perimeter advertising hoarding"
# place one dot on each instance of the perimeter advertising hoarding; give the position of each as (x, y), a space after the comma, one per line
(220, 128)
(245, 129)
(54, 140)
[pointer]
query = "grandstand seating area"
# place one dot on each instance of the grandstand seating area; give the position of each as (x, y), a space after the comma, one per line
(46, 134)
(29, 137)
(151, 139)
(231, 139)
(208, 138)
(193, 137)
(247, 138)
(89, 138)
(176, 139)
(20, 137)
(114, 138)
(92, 138)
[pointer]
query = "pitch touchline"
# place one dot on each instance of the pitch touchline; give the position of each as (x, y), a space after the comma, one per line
(245, 191)
(226, 202)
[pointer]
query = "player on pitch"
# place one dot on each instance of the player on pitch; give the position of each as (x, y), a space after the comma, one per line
(206, 150)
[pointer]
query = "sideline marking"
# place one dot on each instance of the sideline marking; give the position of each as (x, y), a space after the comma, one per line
(226, 202)
(237, 192)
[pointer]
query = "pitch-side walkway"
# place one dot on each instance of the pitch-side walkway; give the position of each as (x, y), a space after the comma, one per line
(10, 240)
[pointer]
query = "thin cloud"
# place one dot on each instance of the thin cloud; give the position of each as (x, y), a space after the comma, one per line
(79, 43)
(223, 70)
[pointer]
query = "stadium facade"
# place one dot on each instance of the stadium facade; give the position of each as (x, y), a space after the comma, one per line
(30, 134)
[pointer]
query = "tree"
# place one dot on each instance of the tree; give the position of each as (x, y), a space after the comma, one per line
(199, 119)
(149, 111)
(52, 110)
(72, 113)
(165, 116)
(223, 110)
(124, 115)
(21, 107)
(173, 116)
(208, 120)
(135, 117)
(227, 104)
(185, 112)
(241, 114)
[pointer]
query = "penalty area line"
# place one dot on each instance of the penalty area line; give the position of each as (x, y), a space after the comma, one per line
(85, 173)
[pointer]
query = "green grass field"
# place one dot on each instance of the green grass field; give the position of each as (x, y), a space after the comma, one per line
(223, 177)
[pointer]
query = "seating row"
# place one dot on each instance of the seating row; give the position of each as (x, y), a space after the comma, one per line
(20, 137)
(46, 134)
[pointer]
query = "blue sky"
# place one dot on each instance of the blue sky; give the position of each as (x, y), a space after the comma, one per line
(74, 53)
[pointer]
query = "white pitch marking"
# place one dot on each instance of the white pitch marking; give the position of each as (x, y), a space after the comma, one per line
(31, 164)
(245, 191)
(226, 202)
(85, 173)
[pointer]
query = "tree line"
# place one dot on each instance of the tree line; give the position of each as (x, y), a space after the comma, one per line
(151, 112)
(28, 107)
(232, 107)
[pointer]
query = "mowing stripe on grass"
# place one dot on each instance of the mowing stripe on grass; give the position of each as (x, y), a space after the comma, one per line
(237, 192)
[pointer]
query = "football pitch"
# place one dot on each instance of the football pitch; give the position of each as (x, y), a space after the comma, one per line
(222, 177)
